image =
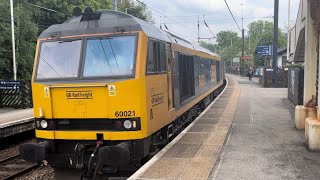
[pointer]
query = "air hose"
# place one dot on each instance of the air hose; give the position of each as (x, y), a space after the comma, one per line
(90, 159)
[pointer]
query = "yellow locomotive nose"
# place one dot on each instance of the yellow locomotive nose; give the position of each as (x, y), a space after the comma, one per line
(81, 102)
(80, 111)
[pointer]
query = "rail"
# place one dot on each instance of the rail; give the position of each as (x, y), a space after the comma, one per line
(14, 166)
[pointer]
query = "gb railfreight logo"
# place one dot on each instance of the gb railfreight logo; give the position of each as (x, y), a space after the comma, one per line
(79, 94)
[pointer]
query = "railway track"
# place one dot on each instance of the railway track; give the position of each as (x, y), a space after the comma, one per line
(14, 166)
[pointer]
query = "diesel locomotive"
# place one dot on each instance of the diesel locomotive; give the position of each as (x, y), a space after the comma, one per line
(110, 89)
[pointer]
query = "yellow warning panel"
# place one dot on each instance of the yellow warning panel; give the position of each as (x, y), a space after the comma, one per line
(112, 90)
(46, 92)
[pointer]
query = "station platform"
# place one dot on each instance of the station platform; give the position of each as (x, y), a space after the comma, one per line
(15, 121)
(246, 133)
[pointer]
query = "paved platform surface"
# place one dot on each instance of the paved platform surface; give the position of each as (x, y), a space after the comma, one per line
(9, 117)
(263, 143)
(247, 134)
(4, 110)
(193, 155)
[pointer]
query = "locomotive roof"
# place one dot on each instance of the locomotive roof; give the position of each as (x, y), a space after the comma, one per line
(115, 21)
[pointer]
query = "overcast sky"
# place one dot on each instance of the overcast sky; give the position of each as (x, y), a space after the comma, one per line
(216, 13)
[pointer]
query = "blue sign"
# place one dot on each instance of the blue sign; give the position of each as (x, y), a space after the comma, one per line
(8, 85)
(264, 50)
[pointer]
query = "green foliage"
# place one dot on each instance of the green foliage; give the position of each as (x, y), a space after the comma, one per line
(26, 32)
(230, 44)
(259, 33)
(30, 21)
(135, 9)
(209, 46)
(228, 47)
(295, 66)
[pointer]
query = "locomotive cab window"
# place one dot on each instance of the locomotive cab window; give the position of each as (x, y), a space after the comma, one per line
(156, 62)
(112, 56)
(59, 59)
(103, 57)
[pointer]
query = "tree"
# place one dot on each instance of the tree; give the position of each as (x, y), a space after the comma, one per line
(212, 47)
(230, 45)
(135, 9)
(26, 32)
(261, 33)
(30, 21)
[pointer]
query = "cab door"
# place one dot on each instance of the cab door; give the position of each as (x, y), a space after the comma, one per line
(169, 76)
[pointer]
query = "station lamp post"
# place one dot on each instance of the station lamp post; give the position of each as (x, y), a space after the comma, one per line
(288, 38)
(231, 41)
(13, 43)
(13, 37)
(275, 44)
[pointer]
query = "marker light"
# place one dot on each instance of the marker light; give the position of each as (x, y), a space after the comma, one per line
(43, 124)
(134, 124)
(40, 112)
(127, 124)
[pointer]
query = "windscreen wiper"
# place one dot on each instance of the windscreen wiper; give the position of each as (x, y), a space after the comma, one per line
(50, 66)
(105, 55)
(114, 56)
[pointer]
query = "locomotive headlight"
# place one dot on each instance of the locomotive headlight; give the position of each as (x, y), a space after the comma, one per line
(44, 124)
(127, 124)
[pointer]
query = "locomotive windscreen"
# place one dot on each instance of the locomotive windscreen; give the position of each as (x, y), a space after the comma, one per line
(109, 56)
(102, 57)
(59, 59)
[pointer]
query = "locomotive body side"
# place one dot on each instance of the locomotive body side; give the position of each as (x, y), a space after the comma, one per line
(119, 94)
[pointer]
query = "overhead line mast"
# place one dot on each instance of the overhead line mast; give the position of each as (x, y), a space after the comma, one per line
(242, 32)
(241, 61)
(198, 30)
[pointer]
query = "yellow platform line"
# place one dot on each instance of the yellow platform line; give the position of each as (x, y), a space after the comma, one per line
(199, 166)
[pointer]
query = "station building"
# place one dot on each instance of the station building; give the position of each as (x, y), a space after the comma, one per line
(304, 49)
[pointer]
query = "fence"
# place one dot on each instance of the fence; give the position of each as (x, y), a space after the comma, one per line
(266, 78)
(295, 85)
(232, 70)
(17, 98)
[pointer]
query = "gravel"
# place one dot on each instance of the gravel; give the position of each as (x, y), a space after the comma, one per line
(41, 173)
(14, 150)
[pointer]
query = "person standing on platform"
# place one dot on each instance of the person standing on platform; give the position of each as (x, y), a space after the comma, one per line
(249, 74)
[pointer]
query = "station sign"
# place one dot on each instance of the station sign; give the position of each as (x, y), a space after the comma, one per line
(236, 60)
(9, 85)
(264, 50)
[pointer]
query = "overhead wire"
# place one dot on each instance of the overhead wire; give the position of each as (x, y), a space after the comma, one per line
(166, 16)
(196, 15)
(218, 19)
(204, 21)
(232, 15)
(152, 9)
(52, 10)
(157, 12)
(9, 20)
